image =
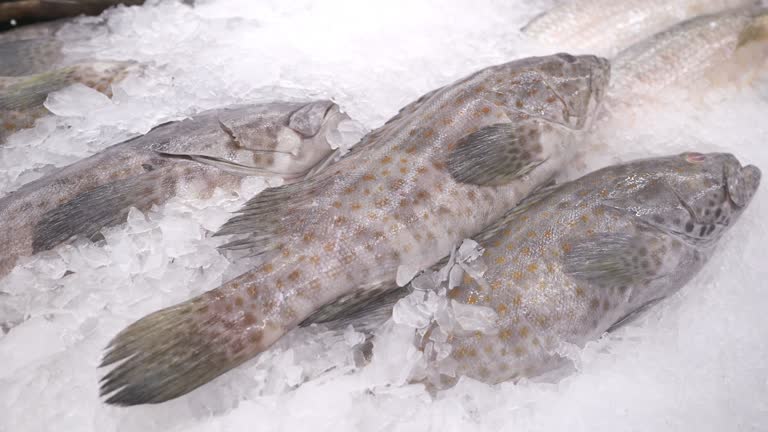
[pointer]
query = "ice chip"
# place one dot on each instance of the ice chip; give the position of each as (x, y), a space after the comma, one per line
(474, 317)
(347, 134)
(415, 310)
(76, 100)
(352, 337)
(405, 273)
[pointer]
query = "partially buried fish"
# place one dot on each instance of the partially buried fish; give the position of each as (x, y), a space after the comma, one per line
(22, 97)
(212, 149)
(707, 51)
(605, 27)
(581, 258)
(442, 169)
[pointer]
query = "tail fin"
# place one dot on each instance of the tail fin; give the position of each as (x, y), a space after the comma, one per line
(171, 352)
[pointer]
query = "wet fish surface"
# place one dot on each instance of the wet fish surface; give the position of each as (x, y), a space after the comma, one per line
(584, 257)
(215, 148)
(605, 27)
(721, 48)
(440, 170)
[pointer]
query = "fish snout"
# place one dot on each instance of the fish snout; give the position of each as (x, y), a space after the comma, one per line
(742, 183)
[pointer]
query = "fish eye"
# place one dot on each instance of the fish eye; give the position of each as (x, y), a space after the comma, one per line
(695, 157)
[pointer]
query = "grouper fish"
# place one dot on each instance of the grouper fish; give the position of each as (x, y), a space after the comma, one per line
(605, 27)
(214, 148)
(707, 51)
(582, 258)
(443, 168)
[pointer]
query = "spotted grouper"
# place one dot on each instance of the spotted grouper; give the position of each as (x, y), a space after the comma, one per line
(443, 168)
(581, 258)
(212, 149)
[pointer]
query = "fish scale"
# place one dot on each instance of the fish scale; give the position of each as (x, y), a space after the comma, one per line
(387, 210)
(605, 27)
(709, 47)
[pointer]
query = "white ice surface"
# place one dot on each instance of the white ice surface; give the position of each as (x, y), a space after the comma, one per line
(695, 362)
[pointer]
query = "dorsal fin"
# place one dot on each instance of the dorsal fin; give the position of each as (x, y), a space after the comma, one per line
(267, 215)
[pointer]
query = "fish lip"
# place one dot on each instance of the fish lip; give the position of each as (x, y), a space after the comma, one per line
(741, 183)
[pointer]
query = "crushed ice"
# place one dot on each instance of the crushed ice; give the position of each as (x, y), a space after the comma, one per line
(697, 361)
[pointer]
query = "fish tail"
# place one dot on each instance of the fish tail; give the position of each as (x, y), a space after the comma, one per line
(175, 350)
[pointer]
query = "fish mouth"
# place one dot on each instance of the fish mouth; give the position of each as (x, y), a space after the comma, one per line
(741, 183)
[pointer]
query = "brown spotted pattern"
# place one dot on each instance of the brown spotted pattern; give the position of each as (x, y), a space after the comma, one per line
(578, 259)
(389, 202)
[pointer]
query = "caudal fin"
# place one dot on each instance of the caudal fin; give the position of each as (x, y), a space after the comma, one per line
(173, 351)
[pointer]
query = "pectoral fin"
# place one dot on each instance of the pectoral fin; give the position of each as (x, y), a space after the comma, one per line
(612, 259)
(497, 154)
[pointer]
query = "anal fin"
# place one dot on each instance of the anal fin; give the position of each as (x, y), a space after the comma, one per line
(365, 309)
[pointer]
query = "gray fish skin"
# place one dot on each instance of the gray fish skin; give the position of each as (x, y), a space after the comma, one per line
(572, 263)
(34, 31)
(212, 149)
(391, 207)
(707, 47)
(605, 27)
(22, 97)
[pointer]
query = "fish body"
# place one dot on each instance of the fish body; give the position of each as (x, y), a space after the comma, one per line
(605, 27)
(444, 167)
(578, 260)
(22, 97)
(726, 45)
(212, 149)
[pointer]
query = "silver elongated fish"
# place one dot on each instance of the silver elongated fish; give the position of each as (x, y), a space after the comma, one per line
(443, 168)
(212, 149)
(22, 97)
(719, 48)
(580, 259)
(605, 27)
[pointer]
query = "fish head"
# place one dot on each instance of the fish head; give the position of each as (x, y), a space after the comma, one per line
(561, 88)
(287, 138)
(692, 195)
